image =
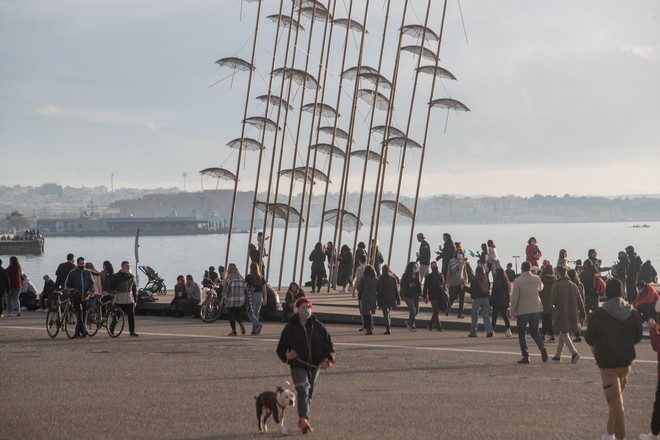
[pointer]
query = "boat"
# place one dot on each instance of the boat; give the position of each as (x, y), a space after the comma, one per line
(21, 246)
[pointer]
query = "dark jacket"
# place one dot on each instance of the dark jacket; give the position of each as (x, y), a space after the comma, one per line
(424, 253)
(345, 264)
(80, 280)
(475, 290)
(312, 343)
(49, 287)
(123, 282)
(317, 258)
(367, 291)
(62, 272)
(647, 273)
(500, 296)
(546, 293)
(4, 280)
(411, 286)
(387, 292)
(434, 285)
(613, 330)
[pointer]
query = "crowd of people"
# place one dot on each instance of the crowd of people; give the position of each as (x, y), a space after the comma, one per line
(28, 234)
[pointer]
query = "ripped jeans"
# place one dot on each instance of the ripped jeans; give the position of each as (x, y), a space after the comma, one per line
(304, 379)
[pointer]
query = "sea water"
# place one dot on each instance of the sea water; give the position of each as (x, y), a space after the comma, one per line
(174, 255)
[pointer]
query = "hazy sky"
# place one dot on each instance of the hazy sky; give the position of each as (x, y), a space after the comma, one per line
(564, 95)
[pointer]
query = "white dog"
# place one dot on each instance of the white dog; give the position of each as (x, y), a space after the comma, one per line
(274, 402)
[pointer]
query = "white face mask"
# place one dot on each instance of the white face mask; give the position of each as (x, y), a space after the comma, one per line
(305, 313)
(459, 256)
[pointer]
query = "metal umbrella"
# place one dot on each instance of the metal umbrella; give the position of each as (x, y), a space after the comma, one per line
(402, 209)
(349, 222)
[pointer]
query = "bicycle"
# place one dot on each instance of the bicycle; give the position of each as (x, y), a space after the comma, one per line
(61, 315)
(98, 317)
(211, 309)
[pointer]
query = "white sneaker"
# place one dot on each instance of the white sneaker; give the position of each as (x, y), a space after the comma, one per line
(648, 436)
(607, 437)
(508, 333)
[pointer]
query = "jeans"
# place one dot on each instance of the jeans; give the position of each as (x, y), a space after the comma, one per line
(423, 270)
(304, 380)
(413, 308)
(533, 320)
(435, 318)
(13, 302)
(614, 383)
(257, 300)
(481, 304)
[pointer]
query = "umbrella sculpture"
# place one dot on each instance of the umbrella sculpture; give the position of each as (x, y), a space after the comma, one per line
(417, 31)
(449, 104)
(275, 100)
(437, 71)
(323, 109)
(262, 123)
(352, 72)
(300, 77)
(219, 173)
(328, 149)
(370, 155)
(247, 144)
(350, 24)
(402, 209)
(280, 210)
(286, 21)
(424, 52)
(349, 222)
(339, 133)
(307, 175)
(236, 65)
(381, 101)
(393, 131)
(376, 78)
(401, 141)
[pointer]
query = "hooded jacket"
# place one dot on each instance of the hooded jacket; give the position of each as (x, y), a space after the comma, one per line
(613, 331)
(312, 343)
(649, 297)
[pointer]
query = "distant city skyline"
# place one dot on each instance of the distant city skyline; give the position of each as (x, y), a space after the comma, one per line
(563, 95)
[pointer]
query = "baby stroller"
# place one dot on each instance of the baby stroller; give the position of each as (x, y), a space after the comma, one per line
(155, 285)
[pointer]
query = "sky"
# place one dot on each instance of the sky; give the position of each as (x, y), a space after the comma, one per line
(563, 95)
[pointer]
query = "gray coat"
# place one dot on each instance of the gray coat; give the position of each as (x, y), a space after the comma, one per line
(368, 293)
(569, 306)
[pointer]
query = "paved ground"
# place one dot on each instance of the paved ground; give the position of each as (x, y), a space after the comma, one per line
(183, 379)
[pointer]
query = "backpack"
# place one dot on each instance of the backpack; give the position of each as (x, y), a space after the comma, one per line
(599, 285)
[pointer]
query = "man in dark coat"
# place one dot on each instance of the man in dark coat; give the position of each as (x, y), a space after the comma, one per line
(63, 271)
(4, 285)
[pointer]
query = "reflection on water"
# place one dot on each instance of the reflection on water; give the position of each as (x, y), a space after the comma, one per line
(171, 256)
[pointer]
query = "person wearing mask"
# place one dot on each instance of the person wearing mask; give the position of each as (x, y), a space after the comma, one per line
(434, 291)
(233, 297)
(457, 279)
(568, 313)
(4, 286)
(306, 346)
(123, 284)
(526, 308)
(411, 290)
(368, 293)
(81, 281)
(613, 331)
(387, 295)
(647, 298)
(423, 255)
(63, 271)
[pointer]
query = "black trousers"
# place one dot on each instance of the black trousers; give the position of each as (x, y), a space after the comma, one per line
(317, 279)
(235, 315)
(547, 328)
(655, 418)
(2, 298)
(457, 292)
(386, 315)
(130, 313)
(500, 310)
(78, 308)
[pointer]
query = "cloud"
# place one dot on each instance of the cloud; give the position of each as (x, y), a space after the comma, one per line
(643, 52)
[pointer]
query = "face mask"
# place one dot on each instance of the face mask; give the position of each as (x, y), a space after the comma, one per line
(305, 313)
(459, 256)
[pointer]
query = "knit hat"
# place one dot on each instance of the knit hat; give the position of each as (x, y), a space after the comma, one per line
(614, 289)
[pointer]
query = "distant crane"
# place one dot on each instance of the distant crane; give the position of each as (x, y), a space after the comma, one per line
(184, 181)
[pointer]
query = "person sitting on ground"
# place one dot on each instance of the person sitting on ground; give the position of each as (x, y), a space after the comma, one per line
(193, 297)
(46, 292)
(212, 273)
(28, 295)
(646, 299)
(180, 295)
(292, 295)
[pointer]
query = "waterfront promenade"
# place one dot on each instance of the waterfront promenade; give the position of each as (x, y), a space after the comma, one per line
(183, 379)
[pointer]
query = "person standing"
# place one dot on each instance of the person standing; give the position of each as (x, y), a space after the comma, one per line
(493, 261)
(612, 333)
(434, 291)
(568, 314)
(500, 299)
(654, 333)
(123, 283)
(317, 257)
(361, 250)
(526, 308)
(256, 287)
(63, 271)
(106, 275)
(387, 296)
(548, 278)
(15, 275)
(233, 297)
(411, 290)
(457, 279)
(367, 297)
(563, 258)
(81, 281)
(4, 286)
(423, 255)
(345, 274)
(331, 258)
(480, 290)
(635, 264)
(306, 346)
(575, 279)
(447, 253)
(377, 256)
(532, 252)
(587, 277)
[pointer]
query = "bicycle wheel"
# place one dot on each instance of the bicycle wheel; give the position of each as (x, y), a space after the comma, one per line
(210, 310)
(163, 289)
(52, 323)
(92, 321)
(115, 322)
(70, 322)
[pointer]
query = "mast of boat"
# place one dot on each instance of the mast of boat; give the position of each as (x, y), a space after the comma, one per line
(309, 150)
(347, 162)
(241, 149)
(426, 130)
(261, 151)
(405, 144)
(378, 196)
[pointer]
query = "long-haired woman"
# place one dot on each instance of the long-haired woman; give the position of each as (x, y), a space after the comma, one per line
(500, 299)
(411, 289)
(258, 296)
(480, 290)
(233, 297)
(15, 274)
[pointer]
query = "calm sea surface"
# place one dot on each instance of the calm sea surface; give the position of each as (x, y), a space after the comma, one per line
(171, 256)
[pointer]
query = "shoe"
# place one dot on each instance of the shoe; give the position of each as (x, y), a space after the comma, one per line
(544, 355)
(524, 360)
(387, 332)
(304, 426)
(508, 333)
(369, 332)
(460, 317)
(361, 329)
(135, 335)
(577, 339)
(430, 328)
(608, 437)
(447, 312)
(413, 329)
(489, 335)
(556, 358)
(259, 328)
(648, 436)
(439, 329)
(253, 334)
(242, 329)
(18, 314)
(232, 334)
(472, 335)
(575, 358)
(552, 339)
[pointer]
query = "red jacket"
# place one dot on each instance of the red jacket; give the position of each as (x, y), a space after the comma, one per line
(651, 296)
